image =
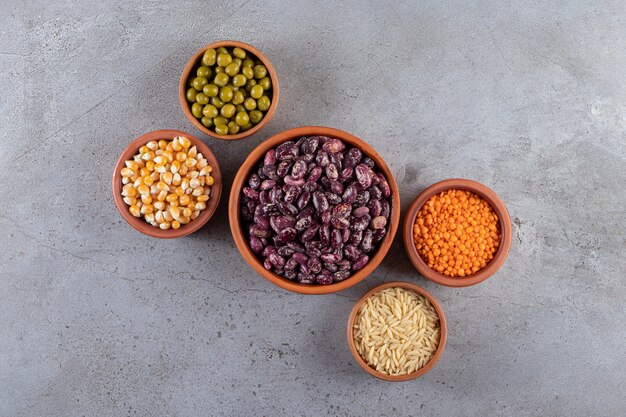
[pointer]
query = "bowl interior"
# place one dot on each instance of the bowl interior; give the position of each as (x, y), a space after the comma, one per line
(442, 338)
(138, 223)
(192, 63)
(236, 221)
(505, 232)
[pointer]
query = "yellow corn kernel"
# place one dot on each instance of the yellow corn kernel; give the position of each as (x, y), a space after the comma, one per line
(159, 205)
(181, 156)
(146, 199)
(152, 145)
(155, 176)
(167, 178)
(190, 162)
(174, 203)
(176, 146)
(161, 196)
(145, 171)
(147, 208)
(149, 218)
(179, 192)
(175, 167)
(192, 174)
(202, 163)
(127, 172)
(209, 180)
(153, 189)
(143, 189)
(167, 216)
(195, 214)
(137, 158)
(200, 205)
(165, 226)
(192, 152)
(202, 198)
(185, 199)
(132, 165)
(162, 144)
(130, 201)
(144, 149)
(175, 224)
(160, 169)
(137, 182)
(205, 171)
(194, 183)
(176, 179)
(131, 192)
(150, 166)
(125, 180)
(158, 217)
(175, 212)
(184, 184)
(171, 198)
(185, 142)
(187, 212)
(148, 156)
(198, 191)
(147, 180)
(183, 170)
(160, 160)
(161, 186)
(134, 210)
(184, 219)
(158, 152)
(202, 181)
(168, 154)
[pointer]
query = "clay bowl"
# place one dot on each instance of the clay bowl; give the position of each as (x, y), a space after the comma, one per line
(191, 65)
(505, 228)
(138, 223)
(241, 240)
(442, 338)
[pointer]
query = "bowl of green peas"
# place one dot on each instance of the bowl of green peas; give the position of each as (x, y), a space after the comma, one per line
(229, 90)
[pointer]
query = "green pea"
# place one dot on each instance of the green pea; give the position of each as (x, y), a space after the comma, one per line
(221, 129)
(256, 91)
(240, 108)
(209, 57)
(250, 84)
(266, 83)
(242, 118)
(247, 63)
(207, 121)
(221, 79)
(250, 103)
(219, 70)
(237, 61)
(204, 72)
(199, 82)
(259, 71)
(238, 97)
(246, 127)
(233, 128)
(191, 94)
(220, 120)
(263, 103)
(232, 69)
(226, 94)
(247, 72)
(217, 102)
(211, 90)
(228, 110)
(239, 80)
(202, 98)
(210, 111)
(239, 53)
(196, 110)
(224, 60)
(256, 116)
(222, 50)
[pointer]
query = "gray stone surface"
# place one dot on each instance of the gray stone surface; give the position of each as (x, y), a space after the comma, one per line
(528, 97)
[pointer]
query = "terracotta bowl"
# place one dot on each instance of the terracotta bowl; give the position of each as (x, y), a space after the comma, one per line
(442, 338)
(191, 64)
(505, 230)
(240, 236)
(138, 223)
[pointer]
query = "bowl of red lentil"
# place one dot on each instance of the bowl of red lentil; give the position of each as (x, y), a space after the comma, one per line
(457, 232)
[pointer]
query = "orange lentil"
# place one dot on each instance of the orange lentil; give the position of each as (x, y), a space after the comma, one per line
(456, 232)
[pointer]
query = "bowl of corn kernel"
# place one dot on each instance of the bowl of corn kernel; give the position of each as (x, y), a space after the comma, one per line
(457, 232)
(167, 184)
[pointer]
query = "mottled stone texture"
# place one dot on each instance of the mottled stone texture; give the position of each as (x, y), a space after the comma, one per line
(528, 97)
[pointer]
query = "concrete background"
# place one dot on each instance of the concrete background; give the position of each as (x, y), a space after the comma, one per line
(528, 97)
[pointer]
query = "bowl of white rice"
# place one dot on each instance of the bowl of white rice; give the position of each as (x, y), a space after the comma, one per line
(397, 331)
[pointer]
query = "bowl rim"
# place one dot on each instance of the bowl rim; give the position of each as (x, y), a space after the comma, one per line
(442, 336)
(235, 217)
(182, 92)
(505, 229)
(139, 224)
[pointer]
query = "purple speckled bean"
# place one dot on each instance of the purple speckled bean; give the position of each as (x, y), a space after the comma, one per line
(264, 197)
(315, 174)
(330, 258)
(367, 241)
(324, 278)
(378, 222)
(270, 157)
(360, 223)
(270, 172)
(353, 157)
(291, 193)
(362, 198)
(314, 264)
(333, 145)
(288, 209)
(303, 199)
(336, 239)
(324, 234)
(336, 159)
(375, 192)
(364, 175)
(355, 237)
(360, 211)
(368, 161)
(375, 208)
(340, 275)
(299, 257)
(304, 223)
(280, 222)
(251, 193)
(254, 181)
(336, 187)
(310, 233)
(342, 210)
(346, 173)
(351, 252)
(332, 172)
(276, 260)
(298, 171)
(283, 168)
(340, 223)
(310, 186)
(322, 159)
(386, 209)
(330, 267)
(268, 184)
(290, 274)
(267, 264)
(295, 246)
(344, 265)
(258, 231)
(269, 250)
(285, 251)
(256, 245)
(309, 211)
(325, 217)
(384, 185)
(320, 201)
(292, 181)
(360, 263)
(286, 235)
(291, 264)
(345, 234)
(310, 144)
(262, 221)
(304, 278)
(350, 194)
(286, 151)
